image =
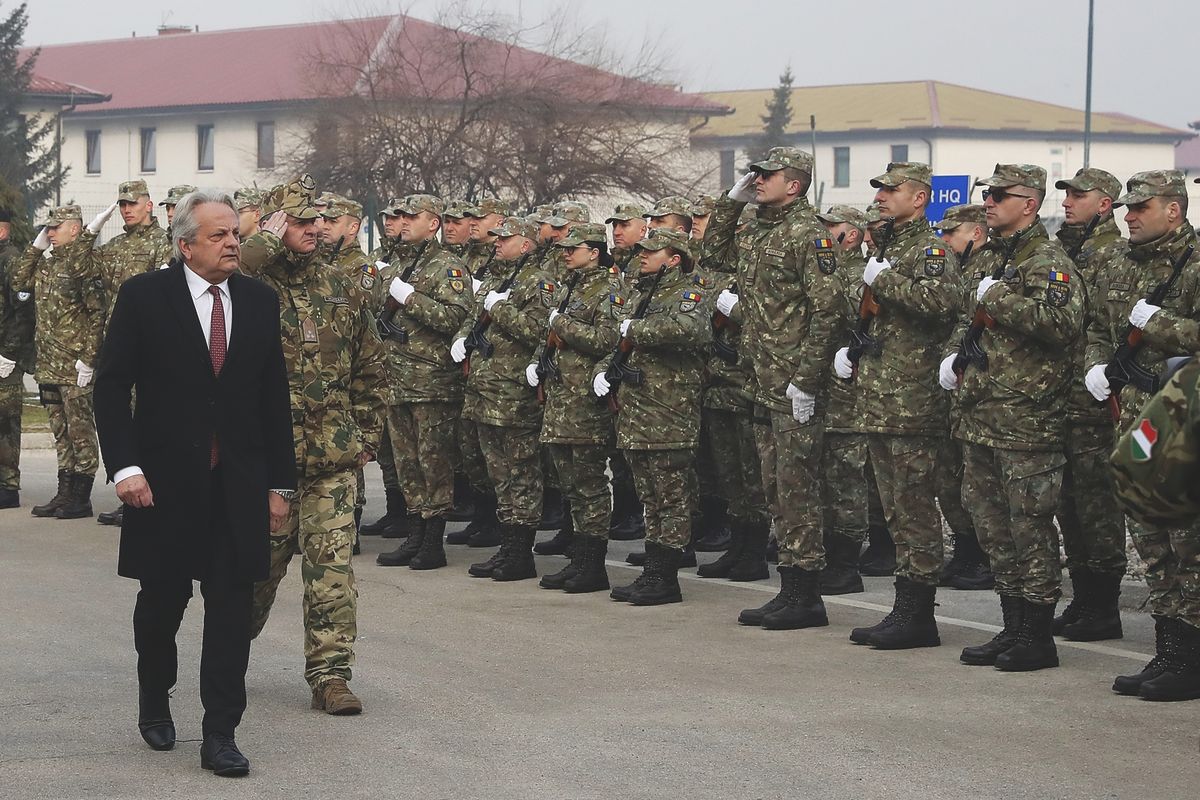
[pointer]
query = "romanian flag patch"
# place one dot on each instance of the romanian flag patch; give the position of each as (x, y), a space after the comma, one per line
(935, 252)
(548, 287)
(616, 299)
(692, 296)
(454, 273)
(1059, 277)
(370, 269)
(824, 243)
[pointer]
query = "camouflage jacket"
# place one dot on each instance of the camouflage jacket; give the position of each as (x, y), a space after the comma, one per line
(919, 303)
(839, 417)
(141, 248)
(1174, 331)
(625, 266)
(362, 274)
(1157, 460)
(16, 317)
(790, 302)
(476, 254)
(1020, 401)
(573, 415)
(334, 362)
(68, 300)
(1104, 251)
(670, 348)
(390, 250)
(725, 383)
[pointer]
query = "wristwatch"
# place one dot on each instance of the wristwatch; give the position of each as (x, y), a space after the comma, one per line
(286, 494)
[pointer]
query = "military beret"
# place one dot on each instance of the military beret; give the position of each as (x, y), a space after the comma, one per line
(490, 205)
(1090, 178)
(62, 214)
(1005, 175)
(176, 193)
(900, 171)
(416, 203)
(1155, 183)
(294, 199)
(842, 213)
(674, 204)
(132, 191)
(626, 212)
(590, 232)
(566, 212)
(960, 215)
(515, 226)
(658, 238)
(781, 157)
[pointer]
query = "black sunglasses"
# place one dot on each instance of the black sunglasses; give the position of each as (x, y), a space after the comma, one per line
(1000, 195)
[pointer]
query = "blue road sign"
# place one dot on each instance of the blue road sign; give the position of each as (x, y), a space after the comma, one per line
(948, 190)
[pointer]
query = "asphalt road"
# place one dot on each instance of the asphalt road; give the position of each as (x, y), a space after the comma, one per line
(475, 689)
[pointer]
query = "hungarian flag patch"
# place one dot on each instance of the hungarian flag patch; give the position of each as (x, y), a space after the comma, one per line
(1143, 439)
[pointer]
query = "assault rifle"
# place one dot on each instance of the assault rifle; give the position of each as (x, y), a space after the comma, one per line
(619, 371)
(969, 350)
(861, 340)
(477, 338)
(386, 321)
(722, 349)
(545, 363)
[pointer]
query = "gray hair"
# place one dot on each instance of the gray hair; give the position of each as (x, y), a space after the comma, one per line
(185, 226)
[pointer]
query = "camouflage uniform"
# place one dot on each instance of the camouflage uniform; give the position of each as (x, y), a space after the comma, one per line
(16, 344)
(338, 392)
(174, 195)
(141, 248)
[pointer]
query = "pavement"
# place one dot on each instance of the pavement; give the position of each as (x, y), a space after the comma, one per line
(475, 689)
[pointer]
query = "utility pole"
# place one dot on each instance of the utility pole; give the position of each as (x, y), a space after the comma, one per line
(812, 128)
(1087, 108)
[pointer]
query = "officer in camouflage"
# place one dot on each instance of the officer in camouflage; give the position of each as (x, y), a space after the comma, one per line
(338, 397)
(247, 201)
(16, 345)
(628, 222)
(174, 195)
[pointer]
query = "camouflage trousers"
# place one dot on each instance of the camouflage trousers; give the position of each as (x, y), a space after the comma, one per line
(948, 477)
(1172, 558)
(790, 454)
(845, 477)
(423, 446)
(622, 477)
(471, 457)
(1091, 522)
(1013, 495)
(321, 527)
(386, 460)
(10, 432)
(580, 467)
(73, 423)
(666, 483)
(727, 465)
(514, 464)
(904, 470)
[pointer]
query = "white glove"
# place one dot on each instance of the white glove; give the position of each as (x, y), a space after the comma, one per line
(95, 225)
(23, 296)
(841, 364)
(476, 285)
(85, 374)
(873, 268)
(458, 350)
(600, 385)
(401, 291)
(1141, 314)
(531, 376)
(743, 190)
(985, 283)
(1097, 383)
(726, 300)
(553, 315)
(381, 266)
(625, 323)
(947, 377)
(7, 365)
(42, 241)
(803, 403)
(493, 297)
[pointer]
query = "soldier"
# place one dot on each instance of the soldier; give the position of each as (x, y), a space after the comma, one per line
(1012, 416)
(487, 215)
(1091, 523)
(658, 423)
(628, 223)
(246, 201)
(174, 195)
(702, 210)
(1156, 205)
(456, 227)
(1154, 465)
(390, 246)
(338, 395)
(960, 226)
(434, 297)
(785, 266)
(16, 340)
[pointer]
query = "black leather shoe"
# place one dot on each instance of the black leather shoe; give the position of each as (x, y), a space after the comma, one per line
(220, 754)
(113, 517)
(10, 498)
(154, 721)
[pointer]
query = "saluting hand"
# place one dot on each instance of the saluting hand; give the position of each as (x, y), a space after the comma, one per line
(276, 223)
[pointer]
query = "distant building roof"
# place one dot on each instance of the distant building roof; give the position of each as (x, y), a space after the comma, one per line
(42, 88)
(273, 65)
(918, 105)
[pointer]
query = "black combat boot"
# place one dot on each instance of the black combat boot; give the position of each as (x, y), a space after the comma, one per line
(752, 560)
(79, 498)
(53, 504)
(464, 500)
(1034, 648)
(662, 585)
(1166, 655)
(984, 655)
(553, 511)
(592, 575)
(802, 605)
(917, 628)
(840, 575)
(402, 555)
(484, 521)
(394, 516)
(628, 520)
(484, 569)
(1180, 678)
(900, 610)
(1081, 590)
(10, 498)
(433, 552)
(638, 558)
(879, 559)
(711, 525)
(114, 517)
(724, 565)
(488, 532)
(519, 565)
(560, 543)
(556, 580)
(968, 569)
(1101, 617)
(623, 593)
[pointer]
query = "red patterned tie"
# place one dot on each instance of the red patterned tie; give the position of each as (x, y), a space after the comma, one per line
(216, 352)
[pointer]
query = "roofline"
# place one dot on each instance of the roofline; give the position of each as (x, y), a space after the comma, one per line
(804, 137)
(68, 98)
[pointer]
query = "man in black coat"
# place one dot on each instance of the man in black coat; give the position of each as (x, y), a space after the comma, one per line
(204, 461)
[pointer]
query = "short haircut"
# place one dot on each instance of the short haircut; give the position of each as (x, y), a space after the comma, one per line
(793, 174)
(185, 226)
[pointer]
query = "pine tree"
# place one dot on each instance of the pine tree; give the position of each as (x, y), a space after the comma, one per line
(777, 118)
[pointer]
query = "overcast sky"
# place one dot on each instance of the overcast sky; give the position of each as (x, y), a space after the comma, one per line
(1146, 64)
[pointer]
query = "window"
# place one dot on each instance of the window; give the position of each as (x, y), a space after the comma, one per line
(841, 166)
(93, 152)
(149, 157)
(727, 169)
(266, 145)
(204, 147)
(899, 152)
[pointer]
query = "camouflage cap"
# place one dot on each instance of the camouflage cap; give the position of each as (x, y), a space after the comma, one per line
(515, 226)
(490, 205)
(658, 238)
(247, 197)
(900, 171)
(872, 214)
(842, 213)
(590, 232)
(704, 205)
(959, 215)
(132, 191)
(1005, 175)
(416, 203)
(458, 209)
(392, 207)
(294, 199)
(1155, 183)
(541, 213)
(339, 206)
(176, 193)
(675, 204)
(625, 212)
(780, 157)
(323, 199)
(58, 216)
(1090, 178)
(566, 212)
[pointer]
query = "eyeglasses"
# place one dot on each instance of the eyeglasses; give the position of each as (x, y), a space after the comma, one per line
(1000, 195)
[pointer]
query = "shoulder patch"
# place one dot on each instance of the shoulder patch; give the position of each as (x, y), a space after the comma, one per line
(616, 299)
(548, 287)
(1058, 288)
(688, 301)
(824, 243)
(826, 261)
(698, 280)
(369, 273)
(454, 272)
(935, 261)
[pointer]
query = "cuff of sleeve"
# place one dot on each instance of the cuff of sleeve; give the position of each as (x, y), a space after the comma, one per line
(126, 472)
